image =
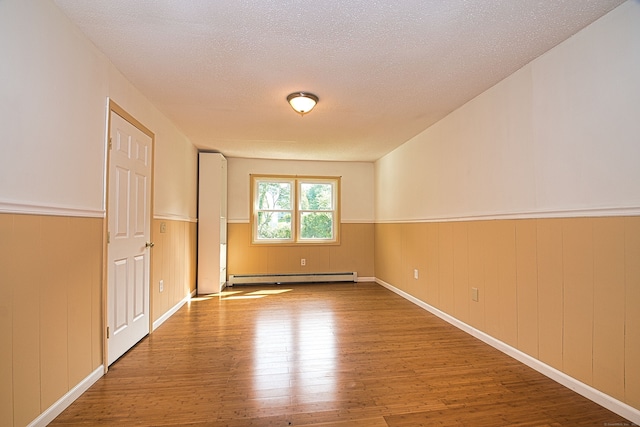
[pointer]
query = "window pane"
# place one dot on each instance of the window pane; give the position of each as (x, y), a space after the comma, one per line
(274, 225)
(274, 195)
(316, 225)
(316, 196)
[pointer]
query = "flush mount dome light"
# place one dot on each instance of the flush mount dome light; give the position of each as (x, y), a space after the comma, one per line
(302, 102)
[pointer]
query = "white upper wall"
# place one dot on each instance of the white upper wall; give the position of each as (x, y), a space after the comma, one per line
(54, 85)
(560, 136)
(176, 159)
(356, 184)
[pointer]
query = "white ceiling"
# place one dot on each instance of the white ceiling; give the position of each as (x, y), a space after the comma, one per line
(384, 70)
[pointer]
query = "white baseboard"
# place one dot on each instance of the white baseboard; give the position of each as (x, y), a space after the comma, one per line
(630, 413)
(63, 403)
(366, 279)
(172, 311)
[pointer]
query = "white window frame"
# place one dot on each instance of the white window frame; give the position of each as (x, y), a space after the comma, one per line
(296, 211)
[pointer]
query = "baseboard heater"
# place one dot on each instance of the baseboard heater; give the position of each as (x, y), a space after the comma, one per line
(265, 279)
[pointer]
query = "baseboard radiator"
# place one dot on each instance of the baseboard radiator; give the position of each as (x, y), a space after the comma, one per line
(273, 279)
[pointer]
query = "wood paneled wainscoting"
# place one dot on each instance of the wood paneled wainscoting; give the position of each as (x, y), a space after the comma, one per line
(51, 305)
(323, 355)
(50, 310)
(173, 262)
(563, 291)
(354, 253)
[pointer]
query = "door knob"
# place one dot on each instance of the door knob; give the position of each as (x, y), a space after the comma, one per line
(149, 245)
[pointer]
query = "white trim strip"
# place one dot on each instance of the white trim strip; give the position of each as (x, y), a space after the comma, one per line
(342, 221)
(238, 221)
(602, 399)
(366, 279)
(49, 210)
(172, 217)
(63, 403)
(569, 213)
(172, 311)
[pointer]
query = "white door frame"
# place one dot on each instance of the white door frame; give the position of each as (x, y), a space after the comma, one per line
(114, 108)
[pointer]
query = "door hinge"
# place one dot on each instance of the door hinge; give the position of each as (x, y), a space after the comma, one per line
(110, 143)
(108, 332)
(108, 237)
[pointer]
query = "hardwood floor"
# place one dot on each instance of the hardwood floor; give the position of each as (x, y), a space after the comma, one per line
(352, 355)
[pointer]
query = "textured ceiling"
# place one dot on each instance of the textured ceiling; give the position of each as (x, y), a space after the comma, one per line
(384, 70)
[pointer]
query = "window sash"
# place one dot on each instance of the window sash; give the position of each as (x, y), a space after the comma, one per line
(319, 212)
(276, 209)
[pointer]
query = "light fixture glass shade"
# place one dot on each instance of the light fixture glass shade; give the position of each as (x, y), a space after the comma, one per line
(302, 102)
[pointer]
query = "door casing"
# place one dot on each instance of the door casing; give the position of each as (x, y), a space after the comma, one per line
(113, 107)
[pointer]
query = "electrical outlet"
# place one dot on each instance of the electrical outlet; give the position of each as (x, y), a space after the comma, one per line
(161, 285)
(415, 274)
(303, 261)
(474, 294)
(163, 227)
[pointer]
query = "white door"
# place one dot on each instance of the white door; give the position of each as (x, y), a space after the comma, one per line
(129, 236)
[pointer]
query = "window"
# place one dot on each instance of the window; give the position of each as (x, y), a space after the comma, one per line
(295, 210)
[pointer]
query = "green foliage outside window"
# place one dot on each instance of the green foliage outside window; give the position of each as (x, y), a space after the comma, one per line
(316, 225)
(316, 197)
(274, 222)
(274, 225)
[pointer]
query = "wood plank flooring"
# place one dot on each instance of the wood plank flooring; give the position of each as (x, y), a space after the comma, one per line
(342, 355)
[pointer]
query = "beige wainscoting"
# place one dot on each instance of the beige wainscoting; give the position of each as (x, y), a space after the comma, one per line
(354, 253)
(565, 291)
(51, 303)
(50, 310)
(174, 262)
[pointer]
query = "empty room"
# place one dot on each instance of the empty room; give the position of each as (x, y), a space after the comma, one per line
(287, 213)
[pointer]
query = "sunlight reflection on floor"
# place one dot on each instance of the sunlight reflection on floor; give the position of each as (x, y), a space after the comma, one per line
(295, 355)
(233, 295)
(270, 292)
(295, 350)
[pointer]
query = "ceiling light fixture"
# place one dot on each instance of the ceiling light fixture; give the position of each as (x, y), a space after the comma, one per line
(302, 102)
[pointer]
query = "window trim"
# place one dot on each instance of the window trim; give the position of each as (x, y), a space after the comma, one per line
(296, 181)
